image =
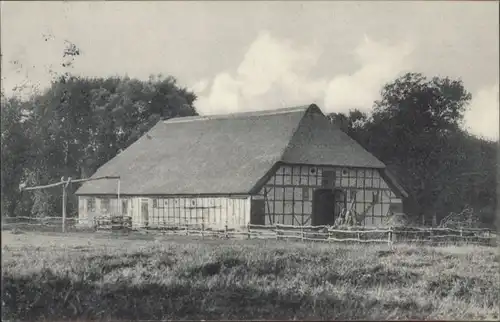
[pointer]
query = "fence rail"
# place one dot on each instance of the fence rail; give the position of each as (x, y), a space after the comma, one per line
(352, 234)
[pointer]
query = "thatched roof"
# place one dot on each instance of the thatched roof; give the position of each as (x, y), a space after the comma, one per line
(226, 154)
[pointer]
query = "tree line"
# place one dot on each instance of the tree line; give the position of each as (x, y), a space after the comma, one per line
(79, 123)
(73, 128)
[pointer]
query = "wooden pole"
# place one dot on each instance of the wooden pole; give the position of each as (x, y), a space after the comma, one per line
(120, 210)
(63, 182)
(63, 205)
(202, 225)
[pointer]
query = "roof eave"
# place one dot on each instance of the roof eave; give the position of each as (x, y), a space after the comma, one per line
(393, 183)
(219, 194)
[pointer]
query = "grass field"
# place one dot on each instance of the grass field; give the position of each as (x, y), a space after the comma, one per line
(51, 276)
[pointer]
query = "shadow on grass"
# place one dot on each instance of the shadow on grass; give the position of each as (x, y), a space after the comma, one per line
(366, 277)
(225, 264)
(48, 296)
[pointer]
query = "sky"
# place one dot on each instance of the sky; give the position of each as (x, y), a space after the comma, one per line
(257, 55)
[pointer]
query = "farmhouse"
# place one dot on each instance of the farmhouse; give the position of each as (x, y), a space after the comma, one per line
(289, 166)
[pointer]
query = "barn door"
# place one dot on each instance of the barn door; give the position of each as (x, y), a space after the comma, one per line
(145, 212)
(257, 212)
(323, 207)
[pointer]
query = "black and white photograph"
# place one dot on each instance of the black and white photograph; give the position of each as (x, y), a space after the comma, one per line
(250, 160)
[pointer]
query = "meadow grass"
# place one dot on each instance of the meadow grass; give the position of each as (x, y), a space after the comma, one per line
(51, 276)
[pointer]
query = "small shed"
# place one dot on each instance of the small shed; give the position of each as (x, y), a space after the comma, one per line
(290, 166)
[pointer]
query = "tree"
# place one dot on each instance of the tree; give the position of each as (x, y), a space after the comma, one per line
(415, 129)
(413, 123)
(352, 122)
(14, 153)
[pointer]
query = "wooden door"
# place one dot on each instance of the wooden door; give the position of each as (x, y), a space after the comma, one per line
(258, 212)
(124, 207)
(145, 212)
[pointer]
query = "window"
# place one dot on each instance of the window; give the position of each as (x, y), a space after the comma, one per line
(305, 193)
(91, 205)
(105, 205)
(155, 203)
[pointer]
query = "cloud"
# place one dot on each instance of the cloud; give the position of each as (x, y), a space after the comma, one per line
(483, 114)
(224, 96)
(200, 86)
(276, 73)
(380, 63)
(270, 61)
(272, 73)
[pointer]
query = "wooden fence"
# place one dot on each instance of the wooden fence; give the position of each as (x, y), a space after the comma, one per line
(389, 235)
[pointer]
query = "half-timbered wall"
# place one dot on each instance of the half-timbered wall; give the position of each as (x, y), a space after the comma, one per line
(215, 212)
(288, 194)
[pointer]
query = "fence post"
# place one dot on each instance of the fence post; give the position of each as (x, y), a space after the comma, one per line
(389, 237)
(302, 233)
(276, 231)
(225, 231)
(186, 229)
(202, 230)
(248, 230)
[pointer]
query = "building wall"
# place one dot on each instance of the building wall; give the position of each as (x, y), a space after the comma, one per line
(158, 211)
(287, 199)
(288, 194)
